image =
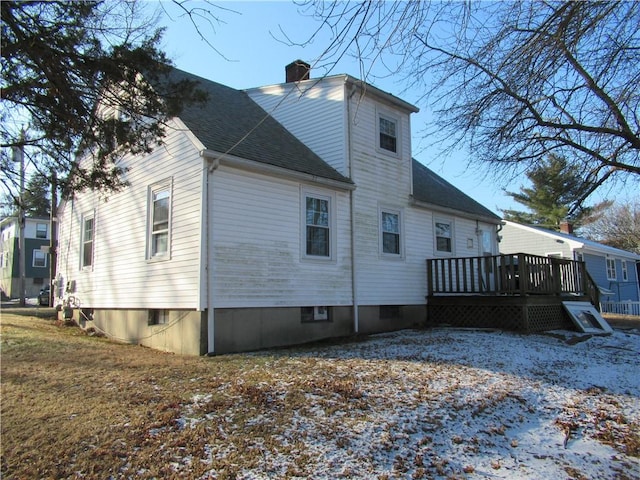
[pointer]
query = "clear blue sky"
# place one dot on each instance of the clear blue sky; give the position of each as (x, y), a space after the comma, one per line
(248, 56)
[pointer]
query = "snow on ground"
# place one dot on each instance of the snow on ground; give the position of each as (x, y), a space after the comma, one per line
(451, 403)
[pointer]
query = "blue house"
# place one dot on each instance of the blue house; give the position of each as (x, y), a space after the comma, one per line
(613, 270)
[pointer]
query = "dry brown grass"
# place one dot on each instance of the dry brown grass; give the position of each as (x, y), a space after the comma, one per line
(75, 406)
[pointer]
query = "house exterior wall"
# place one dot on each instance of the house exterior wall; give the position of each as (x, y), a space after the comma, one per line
(338, 105)
(121, 275)
(36, 276)
(623, 290)
(518, 240)
(258, 244)
(314, 112)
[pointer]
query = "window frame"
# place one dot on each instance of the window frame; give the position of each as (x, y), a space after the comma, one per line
(625, 271)
(33, 258)
(152, 191)
(39, 232)
(83, 241)
(331, 224)
(389, 117)
(611, 268)
(316, 314)
(381, 232)
(446, 221)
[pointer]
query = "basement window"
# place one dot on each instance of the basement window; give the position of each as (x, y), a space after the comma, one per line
(314, 314)
(390, 312)
(158, 317)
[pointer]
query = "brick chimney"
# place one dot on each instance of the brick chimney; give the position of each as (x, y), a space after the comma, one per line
(566, 227)
(297, 71)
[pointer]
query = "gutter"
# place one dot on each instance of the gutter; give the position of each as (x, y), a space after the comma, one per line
(452, 211)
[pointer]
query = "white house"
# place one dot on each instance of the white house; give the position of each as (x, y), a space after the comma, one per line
(275, 216)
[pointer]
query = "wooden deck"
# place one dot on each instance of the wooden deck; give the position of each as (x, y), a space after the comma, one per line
(519, 292)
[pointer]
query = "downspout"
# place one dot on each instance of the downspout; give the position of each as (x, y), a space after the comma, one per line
(354, 277)
(210, 164)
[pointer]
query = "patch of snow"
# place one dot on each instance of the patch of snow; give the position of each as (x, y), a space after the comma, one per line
(466, 404)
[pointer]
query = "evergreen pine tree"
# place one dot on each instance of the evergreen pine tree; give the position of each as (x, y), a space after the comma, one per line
(555, 187)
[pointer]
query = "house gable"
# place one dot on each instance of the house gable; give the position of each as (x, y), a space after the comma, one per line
(229, 122)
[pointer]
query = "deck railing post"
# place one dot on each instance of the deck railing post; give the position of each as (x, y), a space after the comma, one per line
(523, 273)
(429, 278)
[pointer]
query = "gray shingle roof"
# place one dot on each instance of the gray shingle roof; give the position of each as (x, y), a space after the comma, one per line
(228, 115)
(435, 190)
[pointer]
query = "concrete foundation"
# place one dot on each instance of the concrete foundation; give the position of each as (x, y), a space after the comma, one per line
(243, 329)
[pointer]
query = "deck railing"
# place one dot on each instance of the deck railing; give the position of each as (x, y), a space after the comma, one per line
(511, 274)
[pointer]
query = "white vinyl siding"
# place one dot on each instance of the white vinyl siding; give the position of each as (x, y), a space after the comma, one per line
(317, 118)
(259, 247)
(121, 276)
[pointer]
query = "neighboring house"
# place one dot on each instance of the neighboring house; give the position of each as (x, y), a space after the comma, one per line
(37, 235)
(241, 234)
(612, 269)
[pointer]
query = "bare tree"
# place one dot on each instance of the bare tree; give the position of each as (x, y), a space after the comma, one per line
(619, 227)
(514, 81)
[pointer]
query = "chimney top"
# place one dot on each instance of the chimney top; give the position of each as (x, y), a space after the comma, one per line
(566, 227)
(297, 71)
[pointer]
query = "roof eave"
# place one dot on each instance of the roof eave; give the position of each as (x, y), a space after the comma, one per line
(219, 158)
(452, 211)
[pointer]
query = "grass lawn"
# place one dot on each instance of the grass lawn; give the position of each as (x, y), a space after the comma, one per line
(76, 406)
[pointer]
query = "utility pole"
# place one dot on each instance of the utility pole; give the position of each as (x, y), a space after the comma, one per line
(53, 235)
(18, 156)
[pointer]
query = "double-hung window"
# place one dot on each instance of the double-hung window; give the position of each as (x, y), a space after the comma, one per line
(625, 272)
(41, 230)
(88, 230)
(39, 259)
(611, 269)
(444, 236)
(388, 133)
(390, 232)
(159, 225)
(318, 226)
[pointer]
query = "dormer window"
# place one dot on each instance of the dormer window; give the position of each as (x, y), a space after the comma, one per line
(388, 133)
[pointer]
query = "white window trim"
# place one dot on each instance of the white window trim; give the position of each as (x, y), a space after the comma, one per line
(400, 213)
(381, 113)
(166, 184)
(331, 198)
(615, 273)
(33, 259)
(46, 231)
(83, 219)
(625, 271)
(452, 226)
